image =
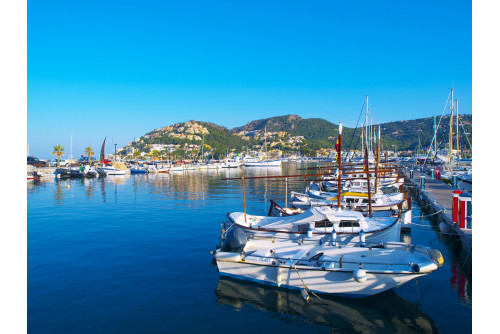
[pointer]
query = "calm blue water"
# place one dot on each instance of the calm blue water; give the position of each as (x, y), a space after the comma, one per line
(131, 255)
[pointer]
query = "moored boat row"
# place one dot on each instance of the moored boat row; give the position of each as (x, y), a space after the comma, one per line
(343, 241)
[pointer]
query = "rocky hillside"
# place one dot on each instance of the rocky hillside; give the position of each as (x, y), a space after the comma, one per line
(290, 133)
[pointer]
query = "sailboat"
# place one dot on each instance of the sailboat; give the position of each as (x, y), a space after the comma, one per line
(256, 162)
(105, 170)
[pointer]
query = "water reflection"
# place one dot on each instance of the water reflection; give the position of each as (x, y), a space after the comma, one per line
(386, 313)
(460, 263)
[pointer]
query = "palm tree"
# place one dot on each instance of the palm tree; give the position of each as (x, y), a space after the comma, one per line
(89, 153)
(155, 154)
(58, 151)
(136, 154)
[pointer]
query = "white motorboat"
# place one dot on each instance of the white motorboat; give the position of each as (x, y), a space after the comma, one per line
(110, 170)
(318, 224)
(345, 271)
(255, 162)
(230, 163)
(178, 168)
(90, 171)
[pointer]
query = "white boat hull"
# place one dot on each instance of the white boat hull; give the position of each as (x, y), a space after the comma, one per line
(318, 281)
(328, 277)
(267, 163)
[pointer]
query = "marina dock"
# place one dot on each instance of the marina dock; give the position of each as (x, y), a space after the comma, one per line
(438, 195)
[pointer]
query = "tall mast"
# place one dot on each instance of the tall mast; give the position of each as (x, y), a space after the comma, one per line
(435, 136)
(265, 140)
(362, 143)
(366, 122)
(371, 131)
(339, 161)
(377, 156)
(458, 145)
(450, 146)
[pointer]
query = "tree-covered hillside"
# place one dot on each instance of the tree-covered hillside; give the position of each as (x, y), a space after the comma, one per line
(291, 133)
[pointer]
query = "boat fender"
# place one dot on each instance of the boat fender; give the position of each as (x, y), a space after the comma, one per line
(362, 238)
(305, 295)
(67, 186)
(359, 275)
(437, 257)
(309, 233)
(227, 256)
(444, 228)
(334, 237)
(278, 276)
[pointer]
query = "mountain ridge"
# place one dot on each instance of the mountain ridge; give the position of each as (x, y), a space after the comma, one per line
(289, 133)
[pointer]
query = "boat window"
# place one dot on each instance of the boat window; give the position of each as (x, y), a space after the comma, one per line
(349, 223)
(323, 223)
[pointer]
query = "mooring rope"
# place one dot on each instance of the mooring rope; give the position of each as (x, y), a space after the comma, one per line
(425, 216)
(305, 286)
(431, 229)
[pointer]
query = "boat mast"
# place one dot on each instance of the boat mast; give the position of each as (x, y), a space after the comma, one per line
(367, 171)
(339, 160)
(371, 130)
(435, 136)
(450, 144)
(377, 148)
(265, 141)
(362, 141)
(366, 122)
(458, 145)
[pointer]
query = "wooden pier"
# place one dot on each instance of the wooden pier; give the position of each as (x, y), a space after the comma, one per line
(439, 197)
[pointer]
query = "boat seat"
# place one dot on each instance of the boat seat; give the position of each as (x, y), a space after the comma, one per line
(300, 254)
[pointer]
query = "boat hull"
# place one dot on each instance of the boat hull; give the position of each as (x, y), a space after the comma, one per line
(269, 163)
(339, 283)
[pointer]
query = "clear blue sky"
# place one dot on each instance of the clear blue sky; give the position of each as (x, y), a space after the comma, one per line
(122, 68)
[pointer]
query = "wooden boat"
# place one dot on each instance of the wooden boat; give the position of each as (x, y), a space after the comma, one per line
(351, 271)
(318, 223)
(275, 210)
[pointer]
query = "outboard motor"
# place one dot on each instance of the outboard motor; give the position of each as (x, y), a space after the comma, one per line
(235, 241)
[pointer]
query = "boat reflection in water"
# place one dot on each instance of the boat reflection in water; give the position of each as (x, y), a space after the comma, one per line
(385, 313)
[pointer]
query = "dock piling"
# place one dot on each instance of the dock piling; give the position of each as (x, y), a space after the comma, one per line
(454, 207)
(422, 182)
(465, 211)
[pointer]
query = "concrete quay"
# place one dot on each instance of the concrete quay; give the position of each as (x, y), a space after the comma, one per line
(439, 197)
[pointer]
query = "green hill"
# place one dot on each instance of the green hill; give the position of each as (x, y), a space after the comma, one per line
(292, 133)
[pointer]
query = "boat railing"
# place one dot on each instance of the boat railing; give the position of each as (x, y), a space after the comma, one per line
(321, 262)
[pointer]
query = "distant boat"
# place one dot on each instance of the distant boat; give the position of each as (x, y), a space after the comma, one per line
(138, 170)
(262, 163)
(256, 162)
(110, 170)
